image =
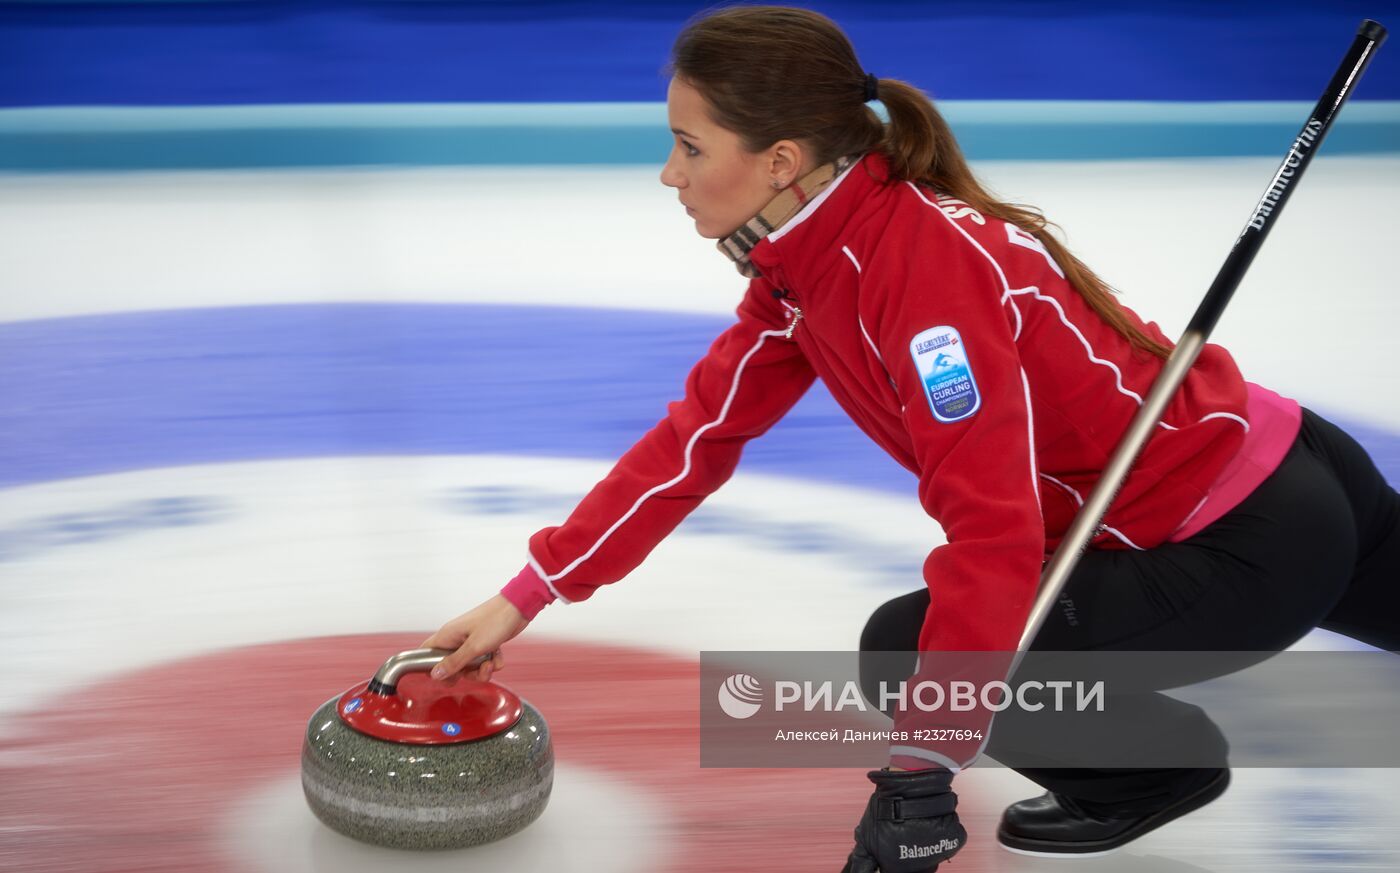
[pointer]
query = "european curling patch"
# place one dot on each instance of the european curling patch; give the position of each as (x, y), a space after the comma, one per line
(941, 361)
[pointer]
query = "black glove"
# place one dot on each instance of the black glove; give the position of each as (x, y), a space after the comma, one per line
(910, 824)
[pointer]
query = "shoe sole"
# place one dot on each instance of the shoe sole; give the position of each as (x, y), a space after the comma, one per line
(1092, 848)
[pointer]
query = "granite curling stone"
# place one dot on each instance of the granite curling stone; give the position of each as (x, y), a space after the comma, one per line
(406, 762)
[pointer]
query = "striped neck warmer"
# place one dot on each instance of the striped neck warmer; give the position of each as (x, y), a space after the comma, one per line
(787, 203)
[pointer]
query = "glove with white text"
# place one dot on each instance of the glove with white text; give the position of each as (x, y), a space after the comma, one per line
(910, 824)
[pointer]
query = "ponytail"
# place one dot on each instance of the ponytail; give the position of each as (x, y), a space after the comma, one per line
(921, 148)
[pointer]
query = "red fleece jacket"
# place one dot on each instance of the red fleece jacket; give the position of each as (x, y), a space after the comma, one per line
(953, 340)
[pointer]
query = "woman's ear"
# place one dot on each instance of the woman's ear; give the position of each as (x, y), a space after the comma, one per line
(786, 161)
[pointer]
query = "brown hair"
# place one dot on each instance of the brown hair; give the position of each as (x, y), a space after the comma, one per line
(777, 72)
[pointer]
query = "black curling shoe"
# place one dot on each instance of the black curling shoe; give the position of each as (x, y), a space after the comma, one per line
(1054, 825)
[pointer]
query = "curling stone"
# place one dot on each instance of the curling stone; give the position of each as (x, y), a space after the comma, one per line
(427, 766)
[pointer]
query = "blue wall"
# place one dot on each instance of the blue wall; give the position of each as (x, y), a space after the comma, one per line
(68, 54)
(209, 85)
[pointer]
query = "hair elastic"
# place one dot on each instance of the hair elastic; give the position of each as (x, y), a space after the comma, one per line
(872, 87)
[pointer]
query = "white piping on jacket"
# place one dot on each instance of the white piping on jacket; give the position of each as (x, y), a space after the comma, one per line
(1118, 533)
(1113, 530)
(1088, 349)
(1030, 416)
(685, 470)
(1077, 499)
(1008, 292)
(1229, 415)
(544, 577)
(1187, 520)
(870, 342)
(1117, 374)
(865, 333)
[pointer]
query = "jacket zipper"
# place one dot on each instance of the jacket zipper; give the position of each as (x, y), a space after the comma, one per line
(785, 294)
(792, 325)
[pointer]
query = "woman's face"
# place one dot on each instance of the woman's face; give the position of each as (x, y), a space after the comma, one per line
(720, 183)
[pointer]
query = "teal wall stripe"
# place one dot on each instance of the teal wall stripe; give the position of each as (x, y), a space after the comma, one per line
(152, 138)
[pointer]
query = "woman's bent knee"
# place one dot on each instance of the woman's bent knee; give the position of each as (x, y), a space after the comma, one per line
(890, 641)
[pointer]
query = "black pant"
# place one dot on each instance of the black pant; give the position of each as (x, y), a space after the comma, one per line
(1316, 545)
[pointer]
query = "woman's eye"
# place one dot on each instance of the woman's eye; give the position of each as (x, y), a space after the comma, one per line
(690, 149)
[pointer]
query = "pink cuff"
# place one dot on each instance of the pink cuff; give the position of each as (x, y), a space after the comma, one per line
(528, 593)
(907, 757)
(904, 762)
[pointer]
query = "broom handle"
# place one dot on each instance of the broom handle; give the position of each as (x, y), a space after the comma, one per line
(1087, 522)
